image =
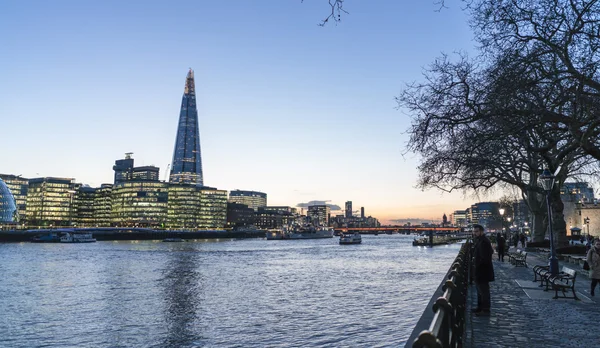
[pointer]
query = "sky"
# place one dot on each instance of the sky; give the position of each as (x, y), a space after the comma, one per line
(286, 107)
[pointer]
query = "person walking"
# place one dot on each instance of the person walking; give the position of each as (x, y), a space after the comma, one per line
(593, 259)
(501, 245)
(484, 270)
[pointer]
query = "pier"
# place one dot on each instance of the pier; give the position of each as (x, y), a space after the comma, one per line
(522, 312)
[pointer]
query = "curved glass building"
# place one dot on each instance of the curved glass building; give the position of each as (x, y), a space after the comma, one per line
(8, 207)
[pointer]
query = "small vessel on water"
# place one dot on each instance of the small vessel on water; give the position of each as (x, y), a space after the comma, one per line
(300, 232)
(77, 237)
(354, 238)
(174, 240)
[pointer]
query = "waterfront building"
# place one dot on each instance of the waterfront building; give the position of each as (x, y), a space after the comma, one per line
(362, 212)
(18, 187)
(348, 209)
(146, 173)
(139, 203)
(267, 218)
(240, 215)
(8, 206)
(123, 169)
(183, 206)
(319, 214)
(186, 167)
(252, 199)
(487, 215)
(84, 210)
(213, 208)
(103, 206)
(50, 201)
(459, 218)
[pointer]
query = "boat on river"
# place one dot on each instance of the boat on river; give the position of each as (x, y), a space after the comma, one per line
(174, 240)
(77, 237)
(354, 238)
(300, 232)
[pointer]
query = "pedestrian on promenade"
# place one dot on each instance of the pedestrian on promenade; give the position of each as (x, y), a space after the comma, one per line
(501, 246)
(593, 259)
(484, 270)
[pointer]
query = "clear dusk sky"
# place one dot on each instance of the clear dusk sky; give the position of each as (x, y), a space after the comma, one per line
(286, 107)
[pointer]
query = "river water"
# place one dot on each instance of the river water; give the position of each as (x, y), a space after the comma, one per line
(217, 293)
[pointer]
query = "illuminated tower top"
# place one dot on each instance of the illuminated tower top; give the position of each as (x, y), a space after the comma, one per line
(186, 167)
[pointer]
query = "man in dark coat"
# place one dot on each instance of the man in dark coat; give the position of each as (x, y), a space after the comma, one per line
(484, 270)
(501, 246)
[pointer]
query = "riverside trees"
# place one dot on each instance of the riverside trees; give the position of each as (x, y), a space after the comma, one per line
(530, 100)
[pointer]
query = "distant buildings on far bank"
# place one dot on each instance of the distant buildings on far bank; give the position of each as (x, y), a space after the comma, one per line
(581, 212)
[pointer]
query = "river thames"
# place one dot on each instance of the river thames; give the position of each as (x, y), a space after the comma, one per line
(217, 293)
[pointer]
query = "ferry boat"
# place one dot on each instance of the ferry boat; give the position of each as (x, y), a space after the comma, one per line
(300, 232)
(351, 238)
(77, 237)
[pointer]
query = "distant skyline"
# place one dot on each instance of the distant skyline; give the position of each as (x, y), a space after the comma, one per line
(300, 112)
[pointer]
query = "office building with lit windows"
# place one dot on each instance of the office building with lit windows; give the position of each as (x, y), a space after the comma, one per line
(146, 173)
(239, 215)
(123, 169)
(213, 208)
(252, 199)
(319, 214)
(348, 209)
(50, 201)
(140, 204)
(183, 208)
(103, 206)
(18, 188)
(84, 211)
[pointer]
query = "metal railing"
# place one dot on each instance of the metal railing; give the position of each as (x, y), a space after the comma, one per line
(448, 324)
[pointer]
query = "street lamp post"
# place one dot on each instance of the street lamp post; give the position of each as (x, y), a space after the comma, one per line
(587, 222)
(501, 211)
(547, 181)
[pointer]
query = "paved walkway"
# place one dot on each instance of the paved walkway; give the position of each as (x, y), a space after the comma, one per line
(523, 315)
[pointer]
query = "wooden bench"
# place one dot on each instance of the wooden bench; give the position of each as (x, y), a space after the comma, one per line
(540, 270)
(518, 259)
(563, 281)
(512, 254)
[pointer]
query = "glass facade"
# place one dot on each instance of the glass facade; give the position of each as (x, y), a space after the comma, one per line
(140, 204)
(186, 167)
(213, 208)
(123, 169)
(18, 187)
(184, 206)
(319, 214)
(148, 173)
(84, 207)
(252, 199)
(50, 202)
(8, 206)
(103, 206)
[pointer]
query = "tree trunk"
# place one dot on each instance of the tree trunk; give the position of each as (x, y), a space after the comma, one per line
(539, 227)
(559, 226)
(537, 208)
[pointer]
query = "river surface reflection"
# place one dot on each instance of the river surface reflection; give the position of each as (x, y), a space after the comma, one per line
(227, 293)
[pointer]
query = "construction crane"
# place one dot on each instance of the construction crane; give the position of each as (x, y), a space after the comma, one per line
(167, 171)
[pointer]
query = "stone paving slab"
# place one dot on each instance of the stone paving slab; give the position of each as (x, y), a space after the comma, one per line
(519, 320)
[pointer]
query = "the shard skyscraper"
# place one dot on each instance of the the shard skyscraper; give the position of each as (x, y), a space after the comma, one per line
(186, 167)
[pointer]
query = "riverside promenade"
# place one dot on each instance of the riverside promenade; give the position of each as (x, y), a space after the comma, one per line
(523, 315)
